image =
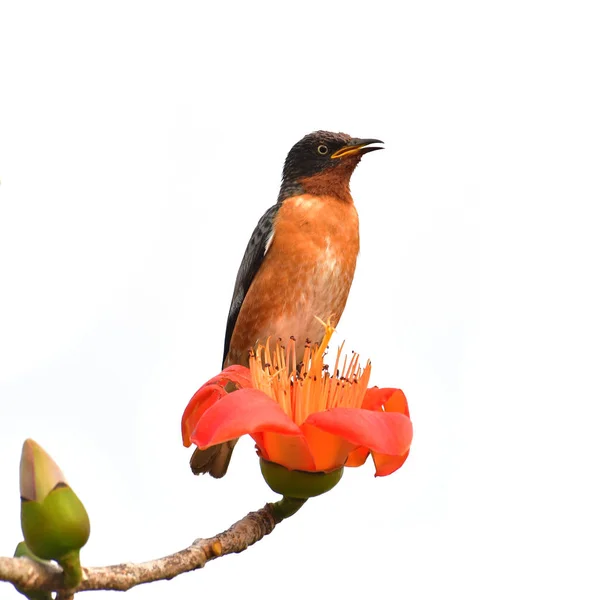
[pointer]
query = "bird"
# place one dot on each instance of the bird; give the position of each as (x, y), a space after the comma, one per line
(299, 262)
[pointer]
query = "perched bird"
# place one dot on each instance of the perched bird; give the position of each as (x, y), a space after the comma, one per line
(299, 262)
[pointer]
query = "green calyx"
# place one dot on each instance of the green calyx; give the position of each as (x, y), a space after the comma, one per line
(23, 550)
(57, 526)
(298, 484)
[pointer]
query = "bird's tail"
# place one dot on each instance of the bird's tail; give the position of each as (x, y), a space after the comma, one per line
(213, 460)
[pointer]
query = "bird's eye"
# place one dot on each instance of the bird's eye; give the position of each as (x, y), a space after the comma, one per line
(322, 149)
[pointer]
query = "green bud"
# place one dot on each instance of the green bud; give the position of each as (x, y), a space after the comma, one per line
(23, 550)
(55, 523)
(298, 484)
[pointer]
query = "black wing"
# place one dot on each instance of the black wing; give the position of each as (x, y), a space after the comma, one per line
(253, 258)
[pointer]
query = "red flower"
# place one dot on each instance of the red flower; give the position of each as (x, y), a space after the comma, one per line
(308, 421)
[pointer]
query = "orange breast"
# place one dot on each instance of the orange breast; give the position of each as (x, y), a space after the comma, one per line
(307, 273)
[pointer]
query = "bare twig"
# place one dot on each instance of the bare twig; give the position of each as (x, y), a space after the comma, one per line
(28, 574)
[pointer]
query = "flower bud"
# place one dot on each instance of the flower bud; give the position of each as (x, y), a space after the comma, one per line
(55, 523)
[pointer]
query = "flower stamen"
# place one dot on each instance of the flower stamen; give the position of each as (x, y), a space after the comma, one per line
(308, 387)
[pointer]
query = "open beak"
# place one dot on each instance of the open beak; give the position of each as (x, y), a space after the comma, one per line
(357, 147)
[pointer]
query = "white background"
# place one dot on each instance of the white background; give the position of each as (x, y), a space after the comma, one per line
(139, 145)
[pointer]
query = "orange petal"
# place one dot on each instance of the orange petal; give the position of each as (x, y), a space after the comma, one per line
(234, 373)
(385, 432)
(288, 451)
(397, 403)
(376, 397)
(201, 401)
(386, 464)
(208, 394)
(238, 413)
(328, 450)
(357, 457)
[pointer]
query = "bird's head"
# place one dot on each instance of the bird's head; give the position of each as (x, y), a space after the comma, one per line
(322, 162)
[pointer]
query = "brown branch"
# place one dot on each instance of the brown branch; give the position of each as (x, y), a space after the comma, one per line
(28, 574)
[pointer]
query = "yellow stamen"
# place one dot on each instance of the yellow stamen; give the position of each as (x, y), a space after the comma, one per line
(308, 387)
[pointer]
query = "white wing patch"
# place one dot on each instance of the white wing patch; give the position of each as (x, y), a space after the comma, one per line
(269, 242)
